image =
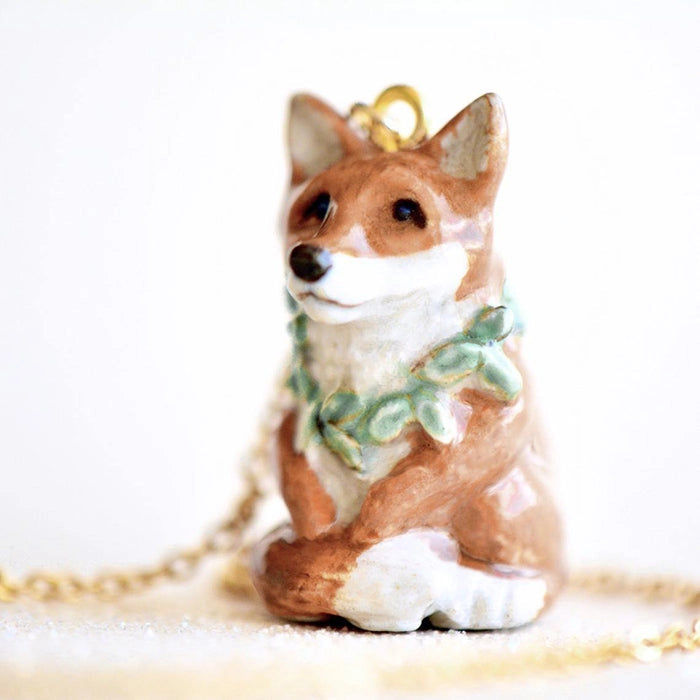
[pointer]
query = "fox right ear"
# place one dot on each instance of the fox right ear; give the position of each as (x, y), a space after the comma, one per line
(474, 145)
(318, 137)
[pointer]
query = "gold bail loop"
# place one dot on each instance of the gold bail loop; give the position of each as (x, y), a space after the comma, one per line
(371, 118)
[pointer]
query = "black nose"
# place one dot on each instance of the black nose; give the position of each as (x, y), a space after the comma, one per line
(309, 263)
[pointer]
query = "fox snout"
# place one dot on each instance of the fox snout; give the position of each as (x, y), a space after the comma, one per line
(309, 262)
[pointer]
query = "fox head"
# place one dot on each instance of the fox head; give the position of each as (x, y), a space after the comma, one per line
(367, 229)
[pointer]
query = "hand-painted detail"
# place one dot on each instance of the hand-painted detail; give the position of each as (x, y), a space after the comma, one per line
(345, 422)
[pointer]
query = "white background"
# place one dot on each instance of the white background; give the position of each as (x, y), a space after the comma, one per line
(142, 167)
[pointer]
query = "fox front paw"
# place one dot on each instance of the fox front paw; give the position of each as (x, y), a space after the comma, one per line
(401, 581)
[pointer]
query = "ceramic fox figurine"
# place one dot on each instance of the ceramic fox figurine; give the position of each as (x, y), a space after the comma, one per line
(411, 462)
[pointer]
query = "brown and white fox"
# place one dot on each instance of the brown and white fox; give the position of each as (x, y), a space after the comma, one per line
(410, 496)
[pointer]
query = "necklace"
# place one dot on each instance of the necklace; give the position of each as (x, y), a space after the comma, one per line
(344, 423)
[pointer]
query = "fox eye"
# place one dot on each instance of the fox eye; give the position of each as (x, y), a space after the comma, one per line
(318, 209)
(409, 210)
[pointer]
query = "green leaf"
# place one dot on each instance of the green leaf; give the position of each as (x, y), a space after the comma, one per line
(451, 362)
(292, 304)
(501, 374)
(297, 328)
(302, 384)
(436, 418)
(493, 323)
(309, 430)
(510, 301)
(341, 407)
(386, 419)
(345, 446)
(292, 384)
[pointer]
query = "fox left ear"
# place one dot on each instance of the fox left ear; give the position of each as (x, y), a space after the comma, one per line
(473, 145)
(318, 137)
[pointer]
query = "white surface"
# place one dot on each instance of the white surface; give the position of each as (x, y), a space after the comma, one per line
(141, 173)
(190, 642)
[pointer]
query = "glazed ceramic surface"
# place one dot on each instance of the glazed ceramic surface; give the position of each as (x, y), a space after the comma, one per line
(411, 459)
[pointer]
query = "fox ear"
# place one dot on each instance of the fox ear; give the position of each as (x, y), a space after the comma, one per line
(318, 137)
(474, 145)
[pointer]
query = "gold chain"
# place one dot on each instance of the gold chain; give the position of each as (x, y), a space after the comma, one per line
(67, 587)
(647, 645)
(226, 537)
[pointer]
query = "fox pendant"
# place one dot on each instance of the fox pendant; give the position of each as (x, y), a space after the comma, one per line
(411, 460)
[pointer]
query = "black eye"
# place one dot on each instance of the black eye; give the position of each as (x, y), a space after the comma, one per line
(409, 210)
(318, 209)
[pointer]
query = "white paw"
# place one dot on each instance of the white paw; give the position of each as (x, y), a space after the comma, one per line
(405, 579)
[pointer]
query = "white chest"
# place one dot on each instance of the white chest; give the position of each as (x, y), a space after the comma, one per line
(372, 356)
